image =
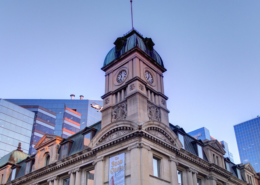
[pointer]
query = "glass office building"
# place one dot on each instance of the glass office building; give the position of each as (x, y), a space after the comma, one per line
(248, 142)
(16, 125)
(203, 133)
(44, 123)
(89, 115)
(71, 122)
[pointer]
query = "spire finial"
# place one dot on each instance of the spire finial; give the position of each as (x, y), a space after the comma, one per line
(131, 1)
(19, 148)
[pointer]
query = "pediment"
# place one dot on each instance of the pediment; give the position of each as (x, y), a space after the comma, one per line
(216, 145)
(249, 167)
(46, 139)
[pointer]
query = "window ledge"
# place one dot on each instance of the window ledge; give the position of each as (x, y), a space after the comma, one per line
(159, 178)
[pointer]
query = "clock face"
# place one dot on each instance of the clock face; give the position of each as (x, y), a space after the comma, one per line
(121, 76)
(149, 77)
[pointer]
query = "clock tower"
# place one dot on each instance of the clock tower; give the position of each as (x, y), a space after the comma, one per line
(134, 88)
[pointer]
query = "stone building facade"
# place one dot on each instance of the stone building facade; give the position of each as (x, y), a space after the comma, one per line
(134, 143)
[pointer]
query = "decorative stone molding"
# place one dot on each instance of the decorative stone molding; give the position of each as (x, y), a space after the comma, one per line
(160, 133)
(210, 177)
(171, 159)
(132, 87)
(141, 87)
(106, 101)
(98, 160)
(153, 112)
(119, 112)
(163, 102)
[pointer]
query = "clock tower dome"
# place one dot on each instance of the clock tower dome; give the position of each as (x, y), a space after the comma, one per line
(134, 88)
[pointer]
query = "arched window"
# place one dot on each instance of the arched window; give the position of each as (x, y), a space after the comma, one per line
(47, 159)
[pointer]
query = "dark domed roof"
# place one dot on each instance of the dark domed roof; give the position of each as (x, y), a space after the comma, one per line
(128, 42)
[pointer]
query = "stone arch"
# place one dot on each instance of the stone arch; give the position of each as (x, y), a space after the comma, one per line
(113, 131)
(162, 132)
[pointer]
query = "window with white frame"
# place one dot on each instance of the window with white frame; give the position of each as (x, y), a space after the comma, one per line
(156, 167)
(13, 174)
(200, 152)
(181, 138)
(179, 173)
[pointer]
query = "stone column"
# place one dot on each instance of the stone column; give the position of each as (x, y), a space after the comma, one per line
(118, 97)
(78, 175)
(174, 175)
(135, 164)
(72, 180)
(56, 180)
(148, 94)
(211, 180)
(99, 168)
(194, 176)
(50, 181)
(189, 177)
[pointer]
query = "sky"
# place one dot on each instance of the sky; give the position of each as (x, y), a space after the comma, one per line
(50, 49)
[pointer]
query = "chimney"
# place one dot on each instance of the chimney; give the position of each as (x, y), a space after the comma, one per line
(19, 148)
(81, 97)
(72, 96)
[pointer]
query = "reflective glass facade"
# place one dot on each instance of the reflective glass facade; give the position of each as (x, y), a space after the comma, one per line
(248, 142)
(44, 123)
(203, 133)
(71, 122)
(89, 115)
(16, 125)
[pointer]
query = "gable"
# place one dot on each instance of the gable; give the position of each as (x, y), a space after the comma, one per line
(250, 168)
(215, 144)
(46, 139)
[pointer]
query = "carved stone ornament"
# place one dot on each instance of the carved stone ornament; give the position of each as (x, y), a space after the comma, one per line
(141, 87)
(159, 135)
(132, 86)
(107, 101)
(119, 112)
(153, 112)
(163, 101)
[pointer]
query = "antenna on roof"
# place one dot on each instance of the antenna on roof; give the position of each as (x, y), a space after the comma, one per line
(131, 1)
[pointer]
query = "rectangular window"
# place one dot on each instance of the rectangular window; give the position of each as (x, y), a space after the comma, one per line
(227, 166)
(90, 177)
(28, 167)
(66, 181)
(214, 159)
(200, 152)
(156, 167)
(179, 173)
(181, 138)
(238, 174)
(13, 174)
(198, 181)
(217, 160)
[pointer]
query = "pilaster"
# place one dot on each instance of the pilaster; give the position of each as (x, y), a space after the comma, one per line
(174, 175)
(99, 168)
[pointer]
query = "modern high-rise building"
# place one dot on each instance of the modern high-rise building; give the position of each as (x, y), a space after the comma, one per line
(16, 125)
(71, 122)
(44, 123)
(248, 142)
(203, 133)
(88, 116)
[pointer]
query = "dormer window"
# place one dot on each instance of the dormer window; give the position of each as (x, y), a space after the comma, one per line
(87, 136)
(227, 166)
(65, 147)
(200, 152)
(238, 173)
(13, 174)
(181, 138)
(28, 167)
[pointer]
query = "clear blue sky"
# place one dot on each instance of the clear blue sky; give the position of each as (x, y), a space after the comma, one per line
(52, 48)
